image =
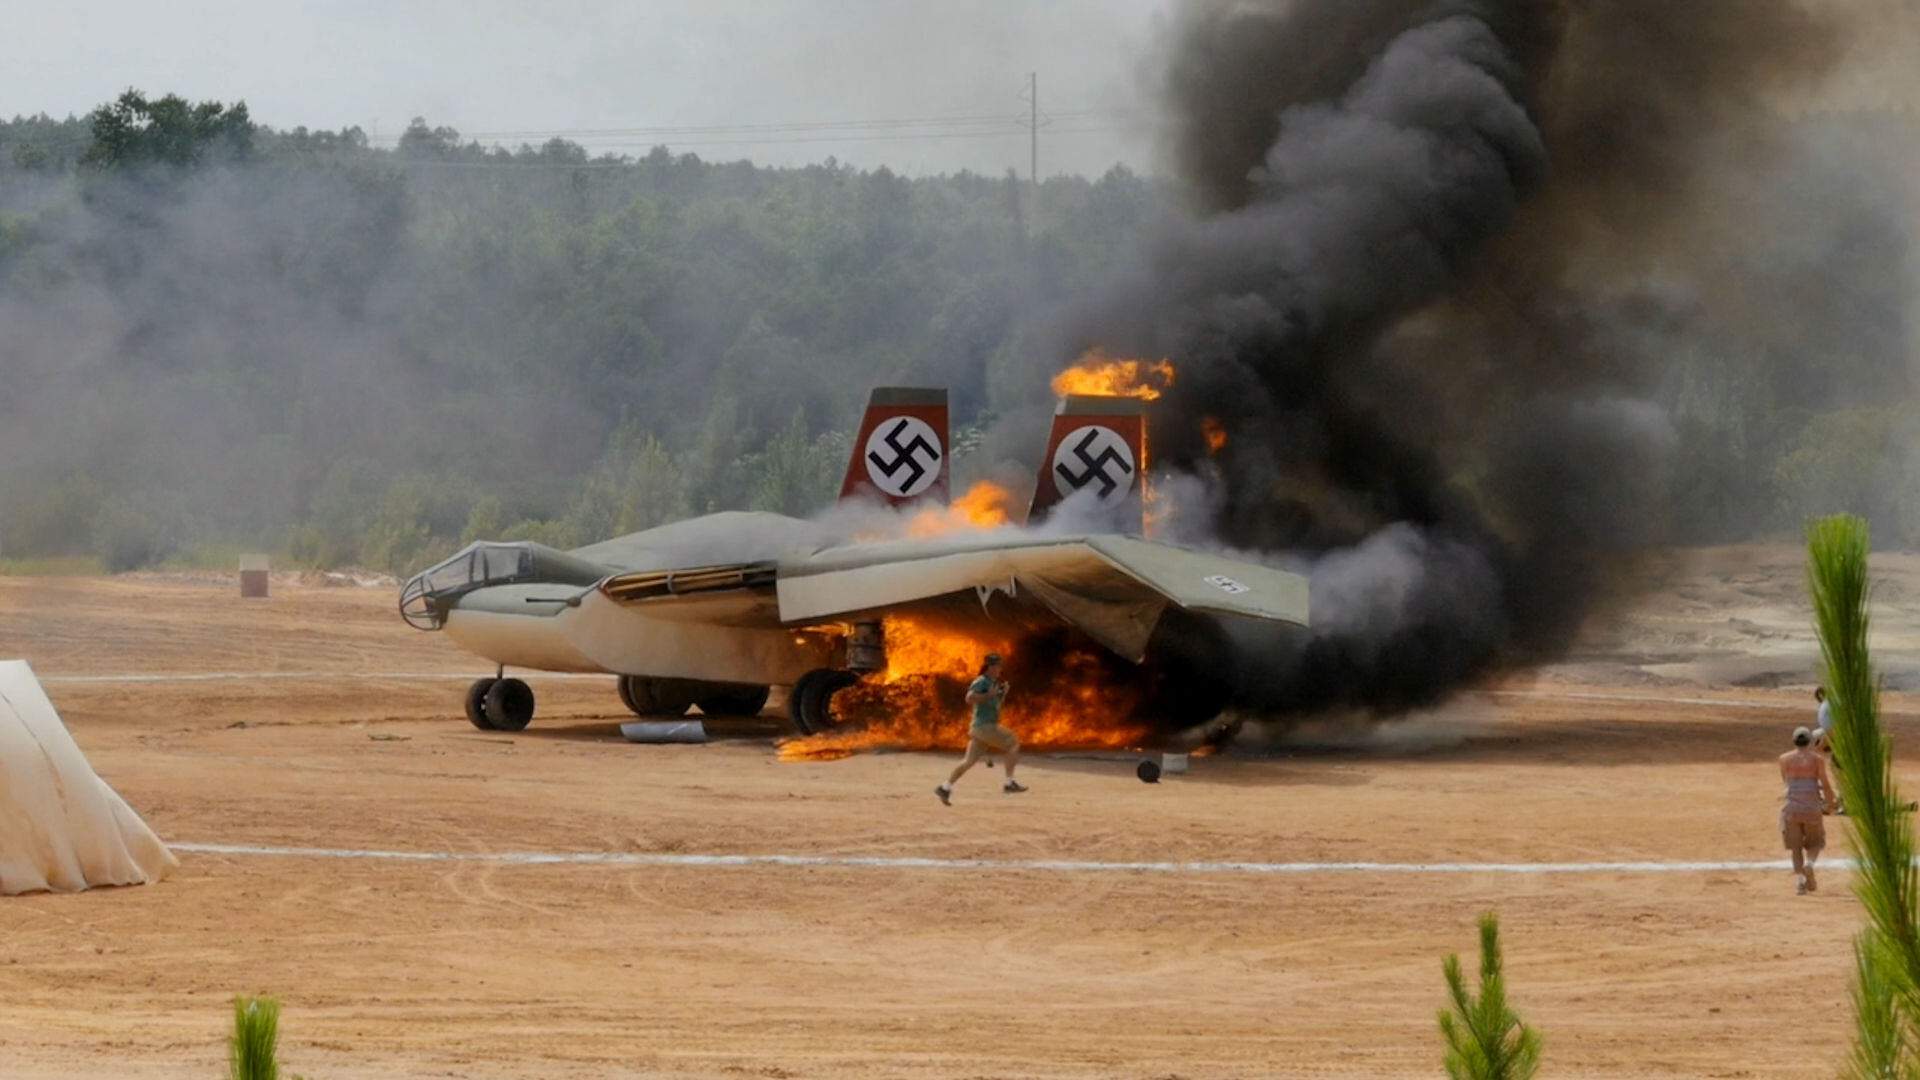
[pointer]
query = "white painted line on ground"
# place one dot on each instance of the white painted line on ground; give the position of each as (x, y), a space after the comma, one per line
(1053, 866)
(217, 676)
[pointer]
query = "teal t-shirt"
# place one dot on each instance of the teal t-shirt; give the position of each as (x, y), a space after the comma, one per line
(986, 711)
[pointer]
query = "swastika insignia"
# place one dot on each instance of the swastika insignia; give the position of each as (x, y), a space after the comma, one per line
(903, 456)
(1096, 457)
(1226, 584)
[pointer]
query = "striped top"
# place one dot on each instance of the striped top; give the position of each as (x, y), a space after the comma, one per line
(1803, 796)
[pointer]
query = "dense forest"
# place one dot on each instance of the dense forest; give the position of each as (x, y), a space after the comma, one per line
(219, 333)
(222, 335)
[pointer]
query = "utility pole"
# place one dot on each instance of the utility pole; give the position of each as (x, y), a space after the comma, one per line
(1033, 130)
(1033, 148)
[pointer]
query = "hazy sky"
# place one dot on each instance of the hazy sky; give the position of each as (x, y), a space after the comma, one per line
(776, 81)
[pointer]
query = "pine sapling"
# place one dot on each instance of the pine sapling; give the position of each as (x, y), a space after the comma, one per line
(1485, 1038)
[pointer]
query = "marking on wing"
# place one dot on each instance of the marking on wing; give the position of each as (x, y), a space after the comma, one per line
(1227, 585)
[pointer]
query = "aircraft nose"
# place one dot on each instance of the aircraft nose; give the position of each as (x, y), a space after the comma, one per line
(417, 606)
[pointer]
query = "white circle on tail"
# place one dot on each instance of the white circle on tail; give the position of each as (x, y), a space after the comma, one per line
(1094, 457)
(903, 456)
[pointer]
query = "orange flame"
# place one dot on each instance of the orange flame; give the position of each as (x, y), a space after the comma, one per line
(919, 702)
(985, 505)
(1102, 375)
(1215, 434)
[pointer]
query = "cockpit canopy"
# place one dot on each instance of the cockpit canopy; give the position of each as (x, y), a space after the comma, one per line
(427, 596)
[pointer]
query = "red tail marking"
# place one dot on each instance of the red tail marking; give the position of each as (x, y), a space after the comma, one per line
(901, 450)
(1098, 446)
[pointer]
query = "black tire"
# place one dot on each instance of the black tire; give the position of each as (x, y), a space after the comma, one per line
(673, 697)
(509, 705)
(477, 702)
(797, 700)
(653, 697)
(739, 702)
(817, 698)
(635, 693)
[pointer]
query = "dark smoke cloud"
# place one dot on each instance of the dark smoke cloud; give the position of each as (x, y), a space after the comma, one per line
(1422, 290)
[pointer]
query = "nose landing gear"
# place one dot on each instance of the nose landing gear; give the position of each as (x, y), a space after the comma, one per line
(499, 704)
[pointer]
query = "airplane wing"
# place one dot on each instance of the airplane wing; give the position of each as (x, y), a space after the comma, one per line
(730, 536)
(1114, 588)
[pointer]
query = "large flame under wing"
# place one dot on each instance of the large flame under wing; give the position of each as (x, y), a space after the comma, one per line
(1114, 588)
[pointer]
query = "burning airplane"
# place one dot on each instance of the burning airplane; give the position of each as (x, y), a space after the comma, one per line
(1112, 636)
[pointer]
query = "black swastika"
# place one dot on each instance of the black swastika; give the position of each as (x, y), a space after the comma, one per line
(904, 456)
(1095, 466)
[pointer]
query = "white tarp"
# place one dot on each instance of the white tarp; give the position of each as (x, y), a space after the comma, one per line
(61, 827)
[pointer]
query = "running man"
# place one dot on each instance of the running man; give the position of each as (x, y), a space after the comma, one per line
(987, 735)
(1809, 795)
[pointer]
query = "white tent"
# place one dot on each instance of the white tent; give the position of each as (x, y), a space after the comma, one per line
(61, 827)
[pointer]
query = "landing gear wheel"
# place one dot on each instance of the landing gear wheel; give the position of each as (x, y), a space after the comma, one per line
(477, 703)
(653, 697)
(736, 701)
(808, 704)
(797, 698)
(508, 705)
(635, 693)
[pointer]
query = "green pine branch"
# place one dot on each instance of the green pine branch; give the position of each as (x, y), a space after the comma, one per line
(1485, 1038)
(1883, 1046)
(1887, 952)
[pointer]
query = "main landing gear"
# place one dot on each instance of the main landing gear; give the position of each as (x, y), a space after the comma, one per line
(500, 704)
(807, 704)
(503, 704)
(671, 697)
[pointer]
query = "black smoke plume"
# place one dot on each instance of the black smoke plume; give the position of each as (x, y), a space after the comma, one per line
(1416, 292)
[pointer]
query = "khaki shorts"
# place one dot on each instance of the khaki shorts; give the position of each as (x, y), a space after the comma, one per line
(1808, 832)
(996, 737)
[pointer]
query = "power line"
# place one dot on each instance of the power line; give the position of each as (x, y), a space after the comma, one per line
(684, 137)
(790, 125)
(976, 121)
(738, 142)
(905, 136)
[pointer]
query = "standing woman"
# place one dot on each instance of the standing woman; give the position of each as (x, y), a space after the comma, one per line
(1809, 796)
(986, 735)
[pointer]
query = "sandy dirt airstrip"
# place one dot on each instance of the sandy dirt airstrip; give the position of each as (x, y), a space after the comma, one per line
(1652, 743)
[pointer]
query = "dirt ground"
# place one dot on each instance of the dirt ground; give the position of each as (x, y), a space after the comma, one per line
(1652, 741)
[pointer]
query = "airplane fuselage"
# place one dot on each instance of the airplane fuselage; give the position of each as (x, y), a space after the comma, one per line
(548, 628)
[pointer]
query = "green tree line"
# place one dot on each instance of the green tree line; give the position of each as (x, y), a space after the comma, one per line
(223, 333)
(219, 333)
